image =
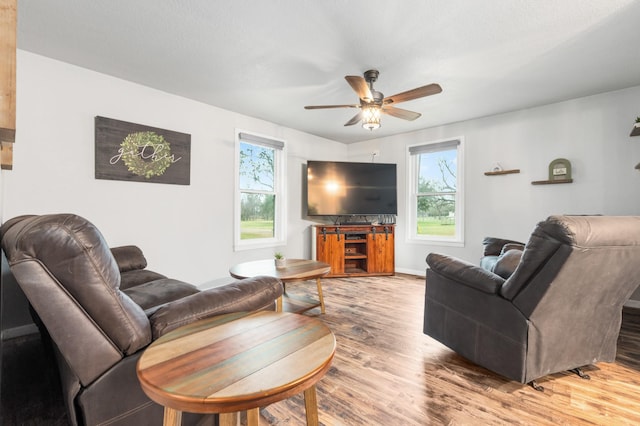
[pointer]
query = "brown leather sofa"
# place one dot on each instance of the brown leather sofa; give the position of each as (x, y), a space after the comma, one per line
(560, 309)
(102, 308)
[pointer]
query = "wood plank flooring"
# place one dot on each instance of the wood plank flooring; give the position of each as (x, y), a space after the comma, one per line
(387, 372)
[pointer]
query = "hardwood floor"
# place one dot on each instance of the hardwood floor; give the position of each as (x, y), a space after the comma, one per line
(387, 372)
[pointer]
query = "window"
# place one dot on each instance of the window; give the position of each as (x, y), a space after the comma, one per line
(260, 192)
(434, 206)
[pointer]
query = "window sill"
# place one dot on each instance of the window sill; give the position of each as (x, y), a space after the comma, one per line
(258, 245)
(433, 242)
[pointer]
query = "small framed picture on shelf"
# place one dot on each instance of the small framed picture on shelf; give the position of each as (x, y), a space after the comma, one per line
(560, 169)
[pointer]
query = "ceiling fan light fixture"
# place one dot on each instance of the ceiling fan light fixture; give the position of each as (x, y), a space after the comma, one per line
(371, 117)
(373, 103)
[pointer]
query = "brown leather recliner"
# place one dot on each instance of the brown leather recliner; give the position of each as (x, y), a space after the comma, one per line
(101, 309)
(560, 309)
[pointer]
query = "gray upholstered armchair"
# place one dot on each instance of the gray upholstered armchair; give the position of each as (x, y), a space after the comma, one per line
(560, 309)
(102, 308)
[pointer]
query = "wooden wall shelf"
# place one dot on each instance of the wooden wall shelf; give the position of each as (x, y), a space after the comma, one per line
(551, 182)
(502, 172)
(635, 131)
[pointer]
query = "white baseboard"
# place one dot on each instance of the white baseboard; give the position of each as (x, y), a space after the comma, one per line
(631, 303)
(420, 273)
(23, 330)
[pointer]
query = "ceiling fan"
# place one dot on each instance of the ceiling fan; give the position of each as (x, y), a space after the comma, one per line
(373, 103)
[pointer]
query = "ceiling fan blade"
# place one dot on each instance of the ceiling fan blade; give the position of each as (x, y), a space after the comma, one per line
(420, 92)
(400, 113)
(360, 86)
(356, 118)
(330, 106)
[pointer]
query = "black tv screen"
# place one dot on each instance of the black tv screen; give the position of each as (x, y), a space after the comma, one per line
(348, 189)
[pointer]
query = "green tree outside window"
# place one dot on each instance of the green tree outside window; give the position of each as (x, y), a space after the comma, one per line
(436, 195)
(257, 191)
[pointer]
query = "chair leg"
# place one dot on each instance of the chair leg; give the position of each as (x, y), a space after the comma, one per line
(320, 296)
(536, 386)
(580, 373)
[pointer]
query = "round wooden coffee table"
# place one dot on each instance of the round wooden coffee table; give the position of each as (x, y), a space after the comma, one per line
(237, 362)
(293, 270)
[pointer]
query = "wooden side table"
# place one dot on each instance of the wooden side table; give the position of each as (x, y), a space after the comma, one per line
(237, 362)
(294, 270)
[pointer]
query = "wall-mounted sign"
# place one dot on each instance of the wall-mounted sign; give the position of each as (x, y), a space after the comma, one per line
(134, 152)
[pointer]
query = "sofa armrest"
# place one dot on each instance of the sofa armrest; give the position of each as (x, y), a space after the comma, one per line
(129, 258)
(493, 246)
(465, 273)
(251, 294)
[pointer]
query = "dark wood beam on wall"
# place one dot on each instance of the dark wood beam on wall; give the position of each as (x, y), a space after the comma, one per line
(8, 29)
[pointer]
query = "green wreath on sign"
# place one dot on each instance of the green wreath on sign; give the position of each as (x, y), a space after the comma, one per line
(146, 154)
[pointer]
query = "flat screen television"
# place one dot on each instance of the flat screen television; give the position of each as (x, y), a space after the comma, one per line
(351, 189)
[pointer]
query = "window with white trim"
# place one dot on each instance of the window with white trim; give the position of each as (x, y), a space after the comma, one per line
(260, 195)
(434, 206)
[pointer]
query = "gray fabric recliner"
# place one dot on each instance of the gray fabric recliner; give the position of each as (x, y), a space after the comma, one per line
(102, 308)
(561, 309)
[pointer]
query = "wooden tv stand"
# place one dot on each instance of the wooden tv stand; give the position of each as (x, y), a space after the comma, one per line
(355, 250)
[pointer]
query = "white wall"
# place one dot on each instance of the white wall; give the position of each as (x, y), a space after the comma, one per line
(186, 232)
(592, 133)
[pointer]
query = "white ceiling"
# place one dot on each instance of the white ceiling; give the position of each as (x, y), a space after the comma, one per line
(268, 59)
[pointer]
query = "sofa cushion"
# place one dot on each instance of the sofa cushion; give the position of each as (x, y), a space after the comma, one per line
(512, 246)
(129, 258)
(488, 262)
(138, 276)
(507, 263)
(494, 246)
(158, 292)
